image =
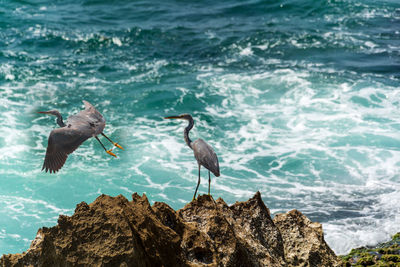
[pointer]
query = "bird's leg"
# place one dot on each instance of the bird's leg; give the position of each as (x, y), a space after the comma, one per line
(209, 181)
(198, 183)
(115, 144)
(108, 151)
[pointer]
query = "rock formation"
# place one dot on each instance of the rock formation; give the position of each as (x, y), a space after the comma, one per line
(303, 240)
(113, 231)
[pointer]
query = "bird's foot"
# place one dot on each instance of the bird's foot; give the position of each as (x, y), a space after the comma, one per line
(111, 153)
(117, 145)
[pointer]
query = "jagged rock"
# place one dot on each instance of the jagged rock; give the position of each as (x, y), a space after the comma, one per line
(113, 231)
(304, 241)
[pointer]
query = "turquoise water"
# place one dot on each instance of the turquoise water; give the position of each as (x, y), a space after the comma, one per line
(300, 100)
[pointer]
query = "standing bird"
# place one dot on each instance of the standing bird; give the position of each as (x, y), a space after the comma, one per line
(203, 152)
(79, 127)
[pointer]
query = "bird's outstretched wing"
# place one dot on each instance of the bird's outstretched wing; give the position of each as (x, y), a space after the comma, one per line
(62, 141)
(206, 156)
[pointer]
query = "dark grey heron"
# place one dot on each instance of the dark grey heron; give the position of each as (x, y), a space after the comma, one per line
(79, 127)
(203, 152)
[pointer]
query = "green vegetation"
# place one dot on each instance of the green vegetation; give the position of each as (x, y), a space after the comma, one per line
(391, 258)
(383, 255)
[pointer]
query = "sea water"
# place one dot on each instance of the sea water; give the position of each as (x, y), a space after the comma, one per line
(299, 99)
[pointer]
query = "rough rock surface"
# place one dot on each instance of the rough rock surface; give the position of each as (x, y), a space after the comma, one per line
(303, 240)
(113, 231)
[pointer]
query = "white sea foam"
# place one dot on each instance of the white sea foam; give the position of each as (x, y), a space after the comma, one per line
(19, 208)
(376, 224)
(246, 51)
(117, 41)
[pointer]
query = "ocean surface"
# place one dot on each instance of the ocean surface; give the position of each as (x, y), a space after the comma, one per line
(299, 99)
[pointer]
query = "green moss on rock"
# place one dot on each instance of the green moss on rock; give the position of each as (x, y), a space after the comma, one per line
(366, 260)
(383, 255)
(391, 257)
(396, 237)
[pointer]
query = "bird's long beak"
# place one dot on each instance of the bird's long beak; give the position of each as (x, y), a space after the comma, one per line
(173, 117)
(44, 112)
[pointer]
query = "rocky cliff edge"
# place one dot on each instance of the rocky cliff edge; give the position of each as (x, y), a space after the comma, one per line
(113, 231)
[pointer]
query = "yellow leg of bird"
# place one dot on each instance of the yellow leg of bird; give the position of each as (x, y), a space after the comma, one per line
(111, 153)
(115, 144)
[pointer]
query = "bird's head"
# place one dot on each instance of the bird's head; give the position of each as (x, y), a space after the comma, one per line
(50, 112)
(187, 117)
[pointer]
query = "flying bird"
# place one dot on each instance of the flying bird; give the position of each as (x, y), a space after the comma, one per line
(79, 127)
(203, 152)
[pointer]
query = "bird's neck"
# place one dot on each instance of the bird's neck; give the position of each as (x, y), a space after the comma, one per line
(60, 120)
(186, 133)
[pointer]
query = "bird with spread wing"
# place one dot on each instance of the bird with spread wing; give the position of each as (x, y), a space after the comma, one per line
(79, 127)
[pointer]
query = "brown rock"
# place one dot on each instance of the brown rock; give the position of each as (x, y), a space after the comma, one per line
(304, 241)
(113, 231)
